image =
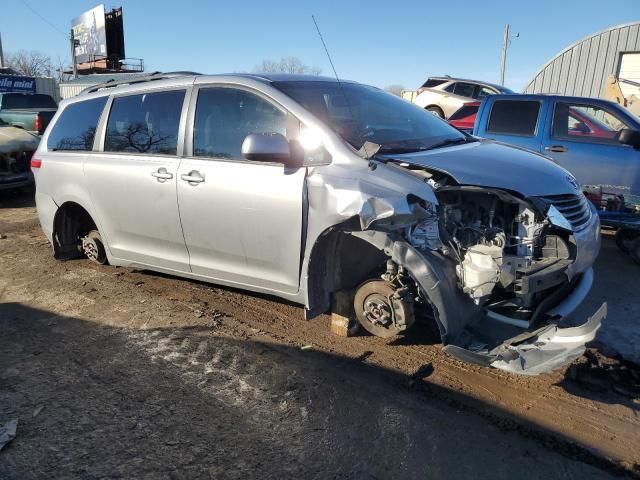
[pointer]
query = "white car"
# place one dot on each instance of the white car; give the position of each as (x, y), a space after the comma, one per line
(443, 96)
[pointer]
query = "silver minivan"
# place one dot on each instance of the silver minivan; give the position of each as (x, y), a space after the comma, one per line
(307, 188)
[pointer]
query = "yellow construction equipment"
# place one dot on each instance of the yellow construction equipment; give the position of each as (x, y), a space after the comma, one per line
(629, 98)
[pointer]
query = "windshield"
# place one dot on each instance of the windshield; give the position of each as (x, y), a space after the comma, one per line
(359, 114)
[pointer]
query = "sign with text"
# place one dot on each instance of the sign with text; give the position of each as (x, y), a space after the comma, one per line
(13, 83)
(89, 33)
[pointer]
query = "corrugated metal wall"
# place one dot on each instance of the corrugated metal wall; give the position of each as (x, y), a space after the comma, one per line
(583, 68)
(48, 86)
(69, 90)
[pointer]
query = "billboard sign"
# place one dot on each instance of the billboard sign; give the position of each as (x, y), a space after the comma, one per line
(90, 35)
(14, 83)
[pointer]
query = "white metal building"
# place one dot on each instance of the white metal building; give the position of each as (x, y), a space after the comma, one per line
(73, 87)
(582, 68)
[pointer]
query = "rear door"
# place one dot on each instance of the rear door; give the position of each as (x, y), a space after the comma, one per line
(133, 179)
(242, 220)
(457, 94)
(518, 122)
(583, 138)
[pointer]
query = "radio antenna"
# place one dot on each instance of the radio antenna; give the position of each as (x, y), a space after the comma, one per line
(344, 94)
(326, 50)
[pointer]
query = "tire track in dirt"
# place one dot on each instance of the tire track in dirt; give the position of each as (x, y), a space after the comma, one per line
(606, 434)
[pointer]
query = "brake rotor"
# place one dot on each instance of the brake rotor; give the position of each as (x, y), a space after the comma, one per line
(93, 247)
(381, 310)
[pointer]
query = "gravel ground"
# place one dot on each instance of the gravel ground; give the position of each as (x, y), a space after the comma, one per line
(115, 373)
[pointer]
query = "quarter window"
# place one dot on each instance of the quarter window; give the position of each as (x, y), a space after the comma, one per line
(146, 123)
(484, 91)
(514, 117)
(588, 123)
(225, 116)
(75, 129)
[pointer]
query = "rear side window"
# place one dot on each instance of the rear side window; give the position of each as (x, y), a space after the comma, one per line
(514, 117)
(432, 82)
(75, 129)
(146, 123)
(464, 90)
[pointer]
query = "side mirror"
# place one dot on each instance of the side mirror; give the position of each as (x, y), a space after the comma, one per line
(266, 147)
(629, 137)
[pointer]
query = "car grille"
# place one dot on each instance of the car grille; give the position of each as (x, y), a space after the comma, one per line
(575, 208)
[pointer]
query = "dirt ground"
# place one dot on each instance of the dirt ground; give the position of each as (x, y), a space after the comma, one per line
(116, 373)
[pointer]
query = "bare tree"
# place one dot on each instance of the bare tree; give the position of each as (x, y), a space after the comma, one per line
(395, 89)
(286, 65)
(31, 63)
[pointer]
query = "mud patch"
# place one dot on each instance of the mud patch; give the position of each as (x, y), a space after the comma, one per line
(603, 374)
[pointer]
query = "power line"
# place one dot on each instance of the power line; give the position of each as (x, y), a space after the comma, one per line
(35, 12)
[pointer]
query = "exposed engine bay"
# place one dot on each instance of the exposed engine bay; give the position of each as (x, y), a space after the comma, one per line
(506, 254)
(12, 163)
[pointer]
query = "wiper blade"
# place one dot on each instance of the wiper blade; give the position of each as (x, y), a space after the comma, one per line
(385, 149)
(447, 143)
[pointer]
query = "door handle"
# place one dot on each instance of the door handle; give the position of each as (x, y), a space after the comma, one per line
(162, 175)
(193, 177)
(556, 149)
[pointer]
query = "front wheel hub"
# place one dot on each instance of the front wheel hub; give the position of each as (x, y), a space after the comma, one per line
(383, 310)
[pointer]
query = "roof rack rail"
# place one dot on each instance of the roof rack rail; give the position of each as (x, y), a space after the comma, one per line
(137, 79)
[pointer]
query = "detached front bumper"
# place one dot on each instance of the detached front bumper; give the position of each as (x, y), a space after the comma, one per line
(544, 349)
(549, 348)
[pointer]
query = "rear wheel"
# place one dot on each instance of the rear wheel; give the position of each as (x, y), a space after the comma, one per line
(625, 238)
(93, 248)
(437, 111)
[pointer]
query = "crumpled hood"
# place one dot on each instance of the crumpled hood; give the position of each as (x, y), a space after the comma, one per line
(491, 164)
(14, 139)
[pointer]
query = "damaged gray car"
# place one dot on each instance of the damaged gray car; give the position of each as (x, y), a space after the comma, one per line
(306, 187)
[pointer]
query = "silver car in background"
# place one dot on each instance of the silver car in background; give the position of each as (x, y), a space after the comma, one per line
(443, 96)
(306, 188)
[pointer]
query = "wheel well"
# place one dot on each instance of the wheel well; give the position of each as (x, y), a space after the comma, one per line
(339, 261)
(427, 107)
(70, 224)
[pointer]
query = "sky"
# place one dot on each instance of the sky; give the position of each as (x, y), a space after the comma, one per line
(375, 42)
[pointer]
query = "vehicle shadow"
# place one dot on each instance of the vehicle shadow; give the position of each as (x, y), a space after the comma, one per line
(599, 375)
(101, 401)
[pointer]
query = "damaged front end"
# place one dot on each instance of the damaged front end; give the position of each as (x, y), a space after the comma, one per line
(16, 149)
(496, 271)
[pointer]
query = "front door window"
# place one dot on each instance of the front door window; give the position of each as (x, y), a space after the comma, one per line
(587, 123)
(224, 118)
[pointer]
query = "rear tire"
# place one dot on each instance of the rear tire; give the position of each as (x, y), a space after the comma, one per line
(625, 238)
(437, 111)
(93, 248)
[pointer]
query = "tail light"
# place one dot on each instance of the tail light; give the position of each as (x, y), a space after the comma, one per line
(37, 125)
(36, 162)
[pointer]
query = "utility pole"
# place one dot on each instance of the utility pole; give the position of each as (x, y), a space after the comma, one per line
(74, 44)
(1, 53)
(505, 46)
